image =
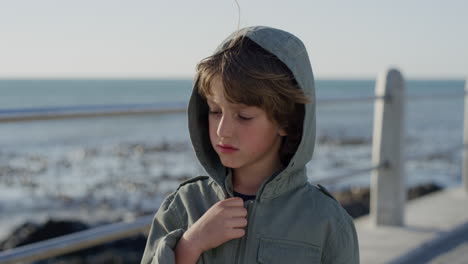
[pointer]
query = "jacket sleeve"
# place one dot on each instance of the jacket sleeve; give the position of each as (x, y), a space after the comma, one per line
(166, 230)
(342, 245)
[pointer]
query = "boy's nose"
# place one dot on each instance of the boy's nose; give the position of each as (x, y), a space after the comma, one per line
(225, 127)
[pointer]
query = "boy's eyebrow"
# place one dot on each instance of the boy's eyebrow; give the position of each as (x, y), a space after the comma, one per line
(240, 106)
(234, 106)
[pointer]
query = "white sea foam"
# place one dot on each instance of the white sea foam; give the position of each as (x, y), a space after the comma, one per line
(120, 165)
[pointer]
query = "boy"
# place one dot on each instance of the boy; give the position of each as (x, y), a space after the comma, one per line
(252, 126)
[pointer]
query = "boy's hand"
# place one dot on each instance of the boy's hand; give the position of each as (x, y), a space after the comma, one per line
(224, 221)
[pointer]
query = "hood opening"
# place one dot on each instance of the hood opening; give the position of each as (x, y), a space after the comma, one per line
(253, 76)
(238, 76)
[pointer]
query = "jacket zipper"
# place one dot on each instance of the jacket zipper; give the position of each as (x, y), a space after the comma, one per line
(241, 247)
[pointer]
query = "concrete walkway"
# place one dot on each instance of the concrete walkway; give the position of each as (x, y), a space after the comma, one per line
(435, 231)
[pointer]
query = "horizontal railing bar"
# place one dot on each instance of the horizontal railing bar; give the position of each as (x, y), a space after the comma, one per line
(82, 111)
(52, 116)
(348, 100)
(437, 95)
(339, 177)
(86, 111)
(76, 241)
(130, 107)
(93, 108)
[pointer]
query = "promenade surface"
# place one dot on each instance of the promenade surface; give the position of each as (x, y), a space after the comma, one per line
(435, 231)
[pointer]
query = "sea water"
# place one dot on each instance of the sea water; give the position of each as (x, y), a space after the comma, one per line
(127, 164)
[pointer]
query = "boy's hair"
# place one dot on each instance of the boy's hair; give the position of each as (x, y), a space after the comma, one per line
(255, 77)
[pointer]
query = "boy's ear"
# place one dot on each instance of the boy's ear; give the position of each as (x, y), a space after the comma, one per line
(282, 132)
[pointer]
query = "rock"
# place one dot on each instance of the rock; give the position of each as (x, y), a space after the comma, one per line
(9, 171)
(422, 190)
(167, 147)
(29, 233)
(439, 156)
(128, 250)
(356, 201)
(342, 141)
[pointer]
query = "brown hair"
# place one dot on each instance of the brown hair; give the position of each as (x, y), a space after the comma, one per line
(255, 77)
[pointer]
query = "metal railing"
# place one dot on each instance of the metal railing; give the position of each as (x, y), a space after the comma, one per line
(352, 173)
(76, 241)
(92, 111)
(85, 111)
(387, 169)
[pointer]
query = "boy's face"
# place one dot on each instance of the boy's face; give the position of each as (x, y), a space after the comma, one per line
(242, 136)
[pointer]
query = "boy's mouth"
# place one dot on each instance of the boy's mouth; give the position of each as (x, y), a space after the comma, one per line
(226, 148)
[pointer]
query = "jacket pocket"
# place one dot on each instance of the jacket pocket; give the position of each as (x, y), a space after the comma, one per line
(273, 251)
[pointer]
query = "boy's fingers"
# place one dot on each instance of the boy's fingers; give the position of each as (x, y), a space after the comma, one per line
(237, 222)
(238, 212)
(235, 201)
(237, 233)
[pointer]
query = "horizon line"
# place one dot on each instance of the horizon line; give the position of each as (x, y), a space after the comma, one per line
(97, 78)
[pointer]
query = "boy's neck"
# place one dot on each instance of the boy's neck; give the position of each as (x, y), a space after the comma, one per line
(248, 180)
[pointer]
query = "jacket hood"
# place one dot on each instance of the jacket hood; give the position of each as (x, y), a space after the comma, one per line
(292, 52)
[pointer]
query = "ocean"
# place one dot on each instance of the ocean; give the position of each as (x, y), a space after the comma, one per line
(121, 166)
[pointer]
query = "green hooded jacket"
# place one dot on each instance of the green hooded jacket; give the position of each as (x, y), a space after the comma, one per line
(290, 221)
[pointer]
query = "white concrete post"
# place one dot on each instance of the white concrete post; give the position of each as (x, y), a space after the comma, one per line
(388, 192)
(465, 141)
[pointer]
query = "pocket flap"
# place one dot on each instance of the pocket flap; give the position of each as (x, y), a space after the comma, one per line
(283, 251)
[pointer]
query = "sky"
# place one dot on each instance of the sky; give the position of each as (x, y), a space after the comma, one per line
(166, 39)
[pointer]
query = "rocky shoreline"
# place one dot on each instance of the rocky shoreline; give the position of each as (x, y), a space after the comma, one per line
(357, 201)
(130, 250)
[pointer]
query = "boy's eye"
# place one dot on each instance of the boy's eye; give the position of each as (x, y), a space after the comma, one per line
(242, 117)
(214, 112)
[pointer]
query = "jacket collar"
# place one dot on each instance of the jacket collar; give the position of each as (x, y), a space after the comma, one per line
(274, 186)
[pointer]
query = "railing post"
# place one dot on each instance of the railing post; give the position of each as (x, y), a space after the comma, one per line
(388, 193)
(465, 141)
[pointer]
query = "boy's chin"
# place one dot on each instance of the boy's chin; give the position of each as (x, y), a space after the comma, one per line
(228, 164)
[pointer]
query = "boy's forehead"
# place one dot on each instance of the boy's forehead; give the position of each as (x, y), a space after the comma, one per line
(217, 95)
(218, 101)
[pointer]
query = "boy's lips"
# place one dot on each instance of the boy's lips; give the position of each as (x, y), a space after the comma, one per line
(226, 148)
